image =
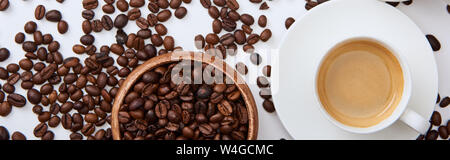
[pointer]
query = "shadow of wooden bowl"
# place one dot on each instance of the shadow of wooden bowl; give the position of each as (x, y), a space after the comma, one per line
(184, 55)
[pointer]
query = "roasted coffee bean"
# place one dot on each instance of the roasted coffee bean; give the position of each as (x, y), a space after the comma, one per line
(87, 39)
(310, 4)
(29, 46)
(213, 12)
(217, 26)
(97, 25)
(53, 16)
(90, 4)
(5, 109)
(38, 38)
(107, 22)
(76, 136)
(4, 54)
(227, 39)
(8, 88)
(34, 96)
(134, 14)
(144, 33)
(212, 38)
(232, 4)
(444, 103)
(180, 12)
(268, 106)
(289, 21)
(25, 64)
(39, 12)
(88, 14)
(18, 136)
(122, 5)
(121, 21)
(174, 4)
(267, 72)
(262, 82)
(152, 19)
(108, 9)
(66, 121)
(253, 38)
(264, 6)
(164, 15)
(30, 27)
(4, 4)
(4, 134)
(241, 68)
(265, 35)
(88, 129)
(142, 23)
(137, 3)
(265, 93)
(16, 100)
(255, 58)
(432, 135)
(54, 121)
(228, 24)
(206, 3)
(247, 19)
(161, 29)
(86, 27)
(436, 118)
(49, 135)
(40, 130)
(62, 26)
(443, 132)
(262, 21)
(19, 38)
(91, 118)
(169, 43)
(199, 41)
(153, 7)
(434, 42)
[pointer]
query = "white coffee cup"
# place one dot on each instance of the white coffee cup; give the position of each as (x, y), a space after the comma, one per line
(401, 112)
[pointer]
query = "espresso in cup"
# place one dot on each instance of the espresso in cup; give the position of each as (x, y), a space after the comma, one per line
(360, 83)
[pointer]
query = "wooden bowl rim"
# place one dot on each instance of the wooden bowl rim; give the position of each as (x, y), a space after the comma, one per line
(186, 55)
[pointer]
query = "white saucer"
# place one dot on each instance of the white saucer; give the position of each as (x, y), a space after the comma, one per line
(320, 29)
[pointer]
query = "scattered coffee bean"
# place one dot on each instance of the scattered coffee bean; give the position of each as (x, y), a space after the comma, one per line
(255, 58)
(4, 134)
(267, 70)
(62, 26)
(4, 4)
(289, 22)
(264, 6)
(18, 136)
(436, 118)
(268, 106)
(180, 12)
(4, 54)
(443, 132)
(310, 4)
(432, 135)
(39, 12)
(434, 42)
(53, 16)
(445, 102)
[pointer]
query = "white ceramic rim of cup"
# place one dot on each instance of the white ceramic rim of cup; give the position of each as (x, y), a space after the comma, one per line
(401, 107)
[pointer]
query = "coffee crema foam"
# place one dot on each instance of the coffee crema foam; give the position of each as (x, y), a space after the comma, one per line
(360, 83)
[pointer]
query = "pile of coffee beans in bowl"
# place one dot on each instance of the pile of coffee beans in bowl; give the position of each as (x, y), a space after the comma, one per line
(157, 107)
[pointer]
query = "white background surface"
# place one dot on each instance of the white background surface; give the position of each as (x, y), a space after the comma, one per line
(430, 15)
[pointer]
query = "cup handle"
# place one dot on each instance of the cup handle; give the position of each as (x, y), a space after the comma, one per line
(415, 121)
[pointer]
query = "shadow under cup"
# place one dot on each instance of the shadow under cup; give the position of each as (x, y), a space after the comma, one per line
(362, 85)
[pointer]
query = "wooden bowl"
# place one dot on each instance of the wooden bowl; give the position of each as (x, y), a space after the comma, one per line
(183, 55)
